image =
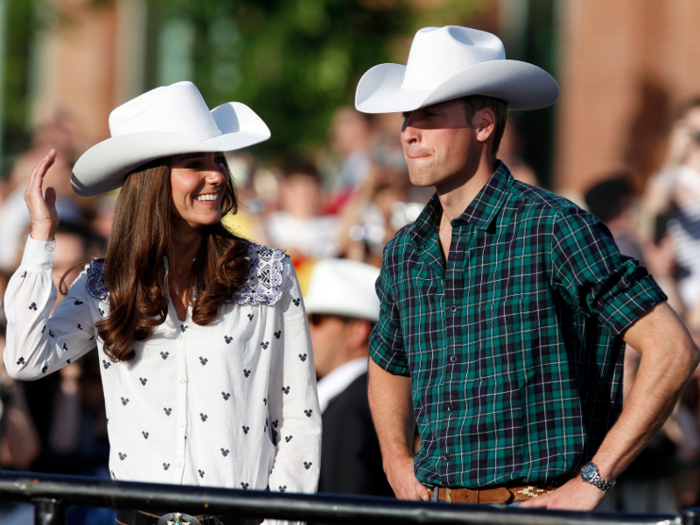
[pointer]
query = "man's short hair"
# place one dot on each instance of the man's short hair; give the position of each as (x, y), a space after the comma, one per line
(474, 103)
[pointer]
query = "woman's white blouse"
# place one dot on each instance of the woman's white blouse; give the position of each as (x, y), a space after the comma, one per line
(231, 404)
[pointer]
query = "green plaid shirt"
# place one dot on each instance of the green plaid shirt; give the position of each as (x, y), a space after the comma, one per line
(513, 346)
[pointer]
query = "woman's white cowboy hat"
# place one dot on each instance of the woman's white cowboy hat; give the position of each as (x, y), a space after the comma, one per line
(165, 121)
(451, 62)
(344, 288)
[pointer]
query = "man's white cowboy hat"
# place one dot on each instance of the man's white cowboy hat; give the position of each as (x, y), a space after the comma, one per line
(165, 121)
(344, 288)
(451, 62)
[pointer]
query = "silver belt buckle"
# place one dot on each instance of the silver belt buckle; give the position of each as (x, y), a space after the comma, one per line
(178, 518)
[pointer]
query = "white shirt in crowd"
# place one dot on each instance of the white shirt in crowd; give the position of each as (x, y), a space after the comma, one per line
(231, 404)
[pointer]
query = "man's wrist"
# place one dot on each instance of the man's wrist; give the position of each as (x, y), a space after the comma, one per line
(590, 474)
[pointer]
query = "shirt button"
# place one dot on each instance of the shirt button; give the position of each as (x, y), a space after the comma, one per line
(182, 422)
(49, 248)
(453, 359)
(450, 408)
(46, 266)
(181, 379)
(445, 457)
(453, 308)
(179, 464)
(179, 337)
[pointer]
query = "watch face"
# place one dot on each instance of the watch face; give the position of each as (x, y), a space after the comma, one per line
(588, 471)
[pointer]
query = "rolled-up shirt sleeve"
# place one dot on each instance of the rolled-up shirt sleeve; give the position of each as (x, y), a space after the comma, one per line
(386, 344)
(590, 273)
(39, 343)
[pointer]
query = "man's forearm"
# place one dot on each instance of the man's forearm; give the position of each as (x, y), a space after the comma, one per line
(669, 357)
(392, 411)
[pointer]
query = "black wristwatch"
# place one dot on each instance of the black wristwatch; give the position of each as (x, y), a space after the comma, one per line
(589, 473)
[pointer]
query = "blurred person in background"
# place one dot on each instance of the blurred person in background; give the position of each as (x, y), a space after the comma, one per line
(299, 225)
(173, 292)
(351, 138)
(14, 217)
(676, 188)
(379, 206)
(611, 201)
(342, 308)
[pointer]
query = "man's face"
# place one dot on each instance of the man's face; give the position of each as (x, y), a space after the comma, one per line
(439, 144)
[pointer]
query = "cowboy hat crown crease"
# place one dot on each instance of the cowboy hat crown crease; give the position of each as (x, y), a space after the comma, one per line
(458, 48)
(153, 111)
(452, 62)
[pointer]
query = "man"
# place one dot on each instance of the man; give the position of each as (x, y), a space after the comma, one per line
(343, 308)
(504, 308)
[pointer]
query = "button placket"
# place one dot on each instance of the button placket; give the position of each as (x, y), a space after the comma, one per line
(181, 406)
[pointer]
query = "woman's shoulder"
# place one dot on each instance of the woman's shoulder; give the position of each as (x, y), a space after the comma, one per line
(265, 278)
(96, 282)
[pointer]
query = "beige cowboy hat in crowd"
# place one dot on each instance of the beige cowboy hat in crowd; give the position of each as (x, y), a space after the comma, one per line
(165, 121)
(450, 62)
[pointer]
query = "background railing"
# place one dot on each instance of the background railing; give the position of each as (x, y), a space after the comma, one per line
(52, 494)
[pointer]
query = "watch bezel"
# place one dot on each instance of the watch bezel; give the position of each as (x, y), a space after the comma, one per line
(589, 471)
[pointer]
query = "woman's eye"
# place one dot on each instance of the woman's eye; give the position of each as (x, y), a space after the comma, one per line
(193, 165)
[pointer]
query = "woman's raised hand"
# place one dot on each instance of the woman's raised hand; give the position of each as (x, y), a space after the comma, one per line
(42, 208)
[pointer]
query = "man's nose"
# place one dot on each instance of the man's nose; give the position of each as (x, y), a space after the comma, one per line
(409, 133)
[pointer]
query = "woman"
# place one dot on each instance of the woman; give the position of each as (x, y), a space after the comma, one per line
(206, 359)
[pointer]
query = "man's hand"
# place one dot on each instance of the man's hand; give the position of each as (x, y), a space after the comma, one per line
(575, 494)
(403, 480)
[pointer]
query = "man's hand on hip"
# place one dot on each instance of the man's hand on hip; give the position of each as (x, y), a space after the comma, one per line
(575, 494)
(403, 480)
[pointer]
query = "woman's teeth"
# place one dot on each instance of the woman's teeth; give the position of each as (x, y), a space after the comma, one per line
(208, 197)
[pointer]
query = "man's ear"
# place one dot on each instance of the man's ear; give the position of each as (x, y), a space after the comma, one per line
(484, 122)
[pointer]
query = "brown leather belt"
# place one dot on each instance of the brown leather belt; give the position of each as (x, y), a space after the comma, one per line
(497, 495)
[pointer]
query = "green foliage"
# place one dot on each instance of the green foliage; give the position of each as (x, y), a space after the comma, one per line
(295, 61)
(20, 29)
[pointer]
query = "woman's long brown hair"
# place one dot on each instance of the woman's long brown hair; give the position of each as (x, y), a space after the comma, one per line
(135, 271)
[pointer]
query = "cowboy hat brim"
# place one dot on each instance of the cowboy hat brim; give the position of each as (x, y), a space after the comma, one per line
(105, 166)
(521, 85)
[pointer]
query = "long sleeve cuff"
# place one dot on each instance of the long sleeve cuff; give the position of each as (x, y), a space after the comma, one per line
(38, 255)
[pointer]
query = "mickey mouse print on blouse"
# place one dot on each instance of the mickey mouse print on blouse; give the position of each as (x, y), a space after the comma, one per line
(198, 384)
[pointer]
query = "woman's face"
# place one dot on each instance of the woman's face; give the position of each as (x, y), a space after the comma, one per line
(197, 182)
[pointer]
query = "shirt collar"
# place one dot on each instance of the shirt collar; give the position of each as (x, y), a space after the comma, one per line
(480, 212)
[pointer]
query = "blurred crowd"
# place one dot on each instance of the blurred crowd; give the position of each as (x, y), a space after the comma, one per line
(346, 202)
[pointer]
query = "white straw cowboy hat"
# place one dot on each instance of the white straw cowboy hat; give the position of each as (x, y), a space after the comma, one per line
(451, 62)
(165, 121)
(344, 288)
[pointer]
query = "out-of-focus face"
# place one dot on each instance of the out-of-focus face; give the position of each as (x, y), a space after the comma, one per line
(328, 340)
(70, 250)
(197, 181)
(439, 144)
(301, 195)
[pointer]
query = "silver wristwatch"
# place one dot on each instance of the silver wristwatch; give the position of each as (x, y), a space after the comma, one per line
(589, 473)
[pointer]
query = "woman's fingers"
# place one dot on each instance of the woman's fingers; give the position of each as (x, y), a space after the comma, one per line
(42, 207)
(50, 198)
(33, 195)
